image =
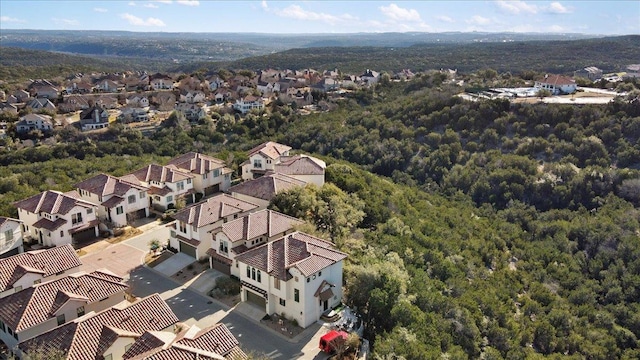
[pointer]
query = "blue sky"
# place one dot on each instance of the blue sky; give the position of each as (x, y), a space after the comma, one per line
(588, 17)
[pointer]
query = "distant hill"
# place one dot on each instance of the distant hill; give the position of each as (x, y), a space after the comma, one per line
(563, 56)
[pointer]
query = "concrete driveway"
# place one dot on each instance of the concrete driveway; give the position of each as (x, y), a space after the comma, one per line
(204, 282)
(152, 231)
(174, 264)
(120, 259)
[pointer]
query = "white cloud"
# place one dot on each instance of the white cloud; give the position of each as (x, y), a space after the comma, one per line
(298, 13)
(557, 8)
(100, 10)
(134, 20)
(164, 1)
(445, 18)
(131, 3)
(556, 28)
(151, 5)
(11, 20)
(264, 5)
(396, 13)
(71, 22)
(479, 20)
(516, 6)
(188, 2)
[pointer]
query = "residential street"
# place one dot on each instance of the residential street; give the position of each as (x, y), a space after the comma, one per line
(193, 307)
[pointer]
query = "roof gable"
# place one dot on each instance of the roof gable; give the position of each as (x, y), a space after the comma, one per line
(268, 186)
(263, 222)
(270, 149)
(212, 210)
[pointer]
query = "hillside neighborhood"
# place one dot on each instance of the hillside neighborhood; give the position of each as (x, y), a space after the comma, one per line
(50, 295)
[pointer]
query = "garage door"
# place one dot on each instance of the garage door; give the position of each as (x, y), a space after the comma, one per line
(188, 249)
(221, 266)
(84, 235)
(256, 299)
(212, 190)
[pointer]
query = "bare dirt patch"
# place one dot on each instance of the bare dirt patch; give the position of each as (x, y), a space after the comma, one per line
(190, 271)
(127, 233)
(281, 325)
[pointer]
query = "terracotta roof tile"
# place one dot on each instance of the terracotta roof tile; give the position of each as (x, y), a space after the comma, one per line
(47, 224)
(263, 222)
(557, 80)
(213, 209)
(159, 173)
(307, 253)
(47, 262)
(104, 185)
(267, 187)
(197, 163)
(86, 338)
(270, 149)
(30, 307)
(300, 165)
(51, 202)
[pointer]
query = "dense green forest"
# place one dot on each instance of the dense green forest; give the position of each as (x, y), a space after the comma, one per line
(475, 229)
(609, 54)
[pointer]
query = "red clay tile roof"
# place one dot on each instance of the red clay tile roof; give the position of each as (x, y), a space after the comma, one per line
(213, 209)
(307, 253)
(47, 262)
(263, 222)
(48, 224)
(30, 307)
(160, 191)
(154, 172)
(267, 187)
(86, 338)
(557, 80)
(51, 202)
(270, 149)
(192, 242)
(113, 201)
(104, 185)
(300, 165)
(197, 163)
(191, 343)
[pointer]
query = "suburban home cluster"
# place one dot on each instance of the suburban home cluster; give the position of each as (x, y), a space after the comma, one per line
(48, 306)
(281, 269)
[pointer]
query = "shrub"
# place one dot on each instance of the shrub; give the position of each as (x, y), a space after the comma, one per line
(228, 286)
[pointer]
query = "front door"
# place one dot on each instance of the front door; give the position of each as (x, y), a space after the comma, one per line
(325, 305)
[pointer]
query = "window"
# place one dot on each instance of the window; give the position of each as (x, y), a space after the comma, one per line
(268, 161)
(180, 186)
(253, 273)
(142, 194)
(61, 233)
(296, 295)
(169, 198)
(76, 218)
(131, 199)
(80, 311)
(188, 181)
(276, 283)
(205, 175)
(183, 227)
(259, 277)
(119, 210)
(89, 210)
(8, 235)
(173, 233)
(257, 164)
(308, 279)
(248, 271)
(224, 247)
(60, 319)
(216, 172)
(108, 357)
(319, 273)
(283, 302)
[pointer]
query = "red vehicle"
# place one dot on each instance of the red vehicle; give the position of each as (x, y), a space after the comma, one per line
(331, 340)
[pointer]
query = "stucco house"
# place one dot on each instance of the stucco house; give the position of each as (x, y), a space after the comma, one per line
(556, 84)
(41, 104)
(43, 307)
(193, 112)
(119, 202)
(95, 117)
(370, 77)
(190, 233)
(298, 275)
(23, 270)
(302, 167)
(161, 82)
(210, 174)
(191, 96)
(237, 236)
(52, 218)
(166, 184)
(262, 190)
(107, 334)
(10, 237)
(248, 103)
(263, 158)
(590, 72)
(31, 122)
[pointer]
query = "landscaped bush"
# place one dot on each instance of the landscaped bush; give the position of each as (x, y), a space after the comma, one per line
(228, 286)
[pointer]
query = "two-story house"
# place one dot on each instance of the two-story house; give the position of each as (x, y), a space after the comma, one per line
(262, 190)
(159, 81)
(167, 184)
(43, 307)
(192, 112)
(248, 103)
(39, 104)
(298, 275)
(210, 174)
(95, 117)
(107, 334)
(119, 202)
(262, 158)
(191, 96)
(240, 235)
(10, 237)
(31, 122)
(302, 167)
(53, 218)
(191, 230)
(32, 267)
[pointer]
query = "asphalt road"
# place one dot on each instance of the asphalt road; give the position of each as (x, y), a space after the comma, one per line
(192, 307)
